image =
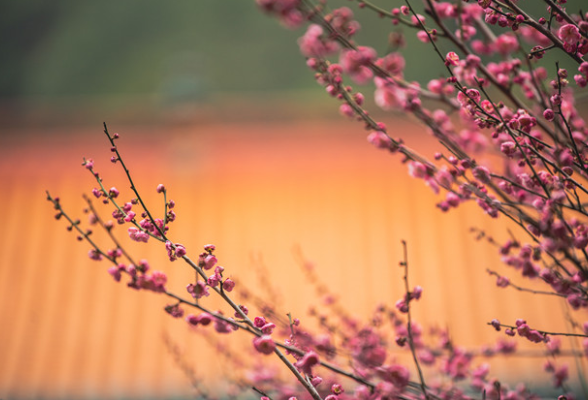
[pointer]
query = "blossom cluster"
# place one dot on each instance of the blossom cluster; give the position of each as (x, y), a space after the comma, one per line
(499, 100)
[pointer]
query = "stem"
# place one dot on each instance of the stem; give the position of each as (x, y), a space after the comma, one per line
(522, 289)
(542, 332)
(409, 323)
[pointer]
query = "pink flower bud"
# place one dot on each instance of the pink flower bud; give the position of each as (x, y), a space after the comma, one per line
(264, 344)
(209, 262)
(268, 328)
(379, 139)
(451, 59)
(97, 193)
(308, 361)
(209, 248)
(113, 192)
(570, 34)
(228, 285)
(259, 322)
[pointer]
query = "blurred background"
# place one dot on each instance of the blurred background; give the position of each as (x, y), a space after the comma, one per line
(212, 99)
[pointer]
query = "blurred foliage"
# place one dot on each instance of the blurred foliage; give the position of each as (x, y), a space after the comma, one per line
(181, 50)
(73, 47)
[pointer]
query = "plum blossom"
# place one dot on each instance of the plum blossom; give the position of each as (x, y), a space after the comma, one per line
(309, 360)
(315, 44)
(451, 59)
(569, 34)
(138, 235)
(264, 344)
(357, 63)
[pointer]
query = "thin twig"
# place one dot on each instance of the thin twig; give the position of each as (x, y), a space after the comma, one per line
(404, 264)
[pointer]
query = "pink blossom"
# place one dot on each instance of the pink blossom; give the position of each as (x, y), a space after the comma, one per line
(315, 44)
(228, 285)
(457, 365)
(201, 319)
(554, 346)
(342, 20)
(222, 326)
(507, 44)
(580, 80)
(174, 251)
(426, 356)
(127, 207)
(346, 110)
(569, 34)
(367, 349)
(484, 3)
(174, 310)
(156, 281)
(316, 380)
(198, 290)
(380, 140)
(560, 376)
(209, 262)
(533, 335)
(423, 36)
(242, 308)
(502, 281)
(416, 293)
(466, 32)
(508, 148)
(204, 318)
(131, 270)
(402, 306)
(357, 63)
(451, 59)
(309, 360)
(259, 322)
(482, 174)
(95, 255)
(393, 63)
(285, 10)
(396, 374)
(115, 272)
(336, 388)
(264, 344)
(268, 328)
(138, 235)
(192, 320)
(130, 217)
(97, 192)
(214, 280)
(576, 301)
(180, 250)
(113, 192)
(388, 95)
(417, 169)
(505, 346)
